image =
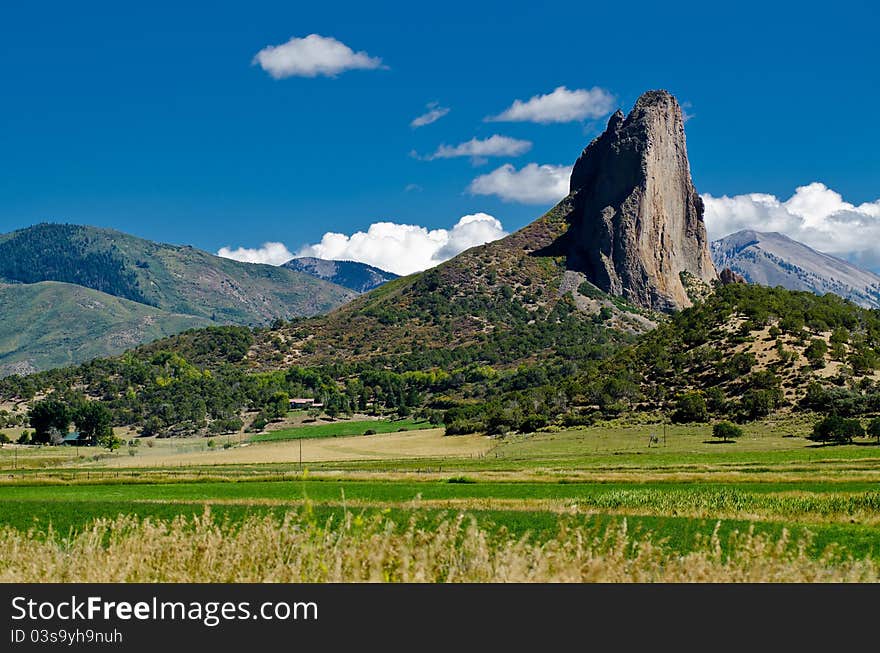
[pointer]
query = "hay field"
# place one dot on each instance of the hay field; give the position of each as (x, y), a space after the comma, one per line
(408, 444)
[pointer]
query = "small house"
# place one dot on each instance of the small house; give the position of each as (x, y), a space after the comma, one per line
(76, 439)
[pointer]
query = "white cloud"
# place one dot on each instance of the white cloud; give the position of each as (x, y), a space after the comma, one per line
(561, 105)
(685, 111)
(477, 149)
(815, 215)
(434, 113)
(533, 184)
(270, 253)
(312, 56)
(406, 248)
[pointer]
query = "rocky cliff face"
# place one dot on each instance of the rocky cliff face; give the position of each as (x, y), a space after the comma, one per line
(637, 226)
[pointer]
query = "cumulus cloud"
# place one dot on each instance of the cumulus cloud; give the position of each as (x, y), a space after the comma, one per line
(312, 56)
(270, 253)
(562, 105)
(533, 184)
(815, 215)
(478, 149)
(434, 113)
(407, 248)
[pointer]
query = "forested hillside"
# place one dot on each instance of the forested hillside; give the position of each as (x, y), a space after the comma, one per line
(64, 253)
(743, 353)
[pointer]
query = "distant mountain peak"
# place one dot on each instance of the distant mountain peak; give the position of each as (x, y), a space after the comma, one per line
(354, 275)
(774, 259)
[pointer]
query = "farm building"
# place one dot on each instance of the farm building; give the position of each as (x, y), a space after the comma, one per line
(76, 439)
(304, 402)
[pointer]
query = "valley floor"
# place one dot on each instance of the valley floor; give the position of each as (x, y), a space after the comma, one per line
(810, 509)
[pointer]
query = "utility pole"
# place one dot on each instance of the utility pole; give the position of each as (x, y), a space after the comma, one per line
(300, 454)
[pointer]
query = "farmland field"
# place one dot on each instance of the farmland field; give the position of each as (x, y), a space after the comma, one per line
(341, 429)
(817, 501)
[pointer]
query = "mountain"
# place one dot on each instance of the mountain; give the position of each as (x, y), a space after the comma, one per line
(773, 259)
(70, 293)
(50, 324)
(637, 226)
(359, 277)
(627, 241)
(178, 279)
(519, 334)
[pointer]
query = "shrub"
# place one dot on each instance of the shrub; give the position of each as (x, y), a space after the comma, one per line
(258, 424)
(370, 432)
(726, 431)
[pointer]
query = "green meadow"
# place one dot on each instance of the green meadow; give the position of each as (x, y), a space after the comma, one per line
(676, 492)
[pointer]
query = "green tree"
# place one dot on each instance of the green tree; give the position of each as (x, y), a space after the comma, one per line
(93, 420)
(874, 429)
(815, 352)
(278, 405)
(690, 407)
(726, 431)
(840, 430)
(47, 417)
(759, 403)
(110, 441)
(151, 426)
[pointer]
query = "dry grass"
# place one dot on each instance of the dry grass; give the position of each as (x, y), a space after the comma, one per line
(408, 444)
(297, 549)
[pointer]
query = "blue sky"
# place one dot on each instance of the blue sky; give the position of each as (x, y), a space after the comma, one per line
(153, 119)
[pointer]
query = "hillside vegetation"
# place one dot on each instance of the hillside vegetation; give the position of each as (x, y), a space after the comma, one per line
(507, 302)
(50, 324)
(750, 350)
(743, 353)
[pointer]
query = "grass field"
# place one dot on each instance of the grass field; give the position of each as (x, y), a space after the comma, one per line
(341, 429)
(823, 501)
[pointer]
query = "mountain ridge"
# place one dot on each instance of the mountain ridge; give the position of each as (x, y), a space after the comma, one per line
(774, 259)
(176, 278)
(353, 275)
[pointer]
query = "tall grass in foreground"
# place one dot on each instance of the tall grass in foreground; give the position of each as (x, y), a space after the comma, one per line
(296, 548)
